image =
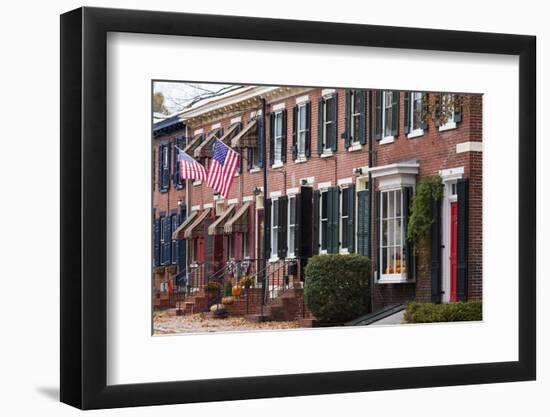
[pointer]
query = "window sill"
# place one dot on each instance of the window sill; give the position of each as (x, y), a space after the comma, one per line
(300, 160)
(386, 140)
(415, 133)
(273, 260)
(195, 183)
(394, 279)
(277, 165)
(355, 147)
(344, 252)
(254, 170)
(447, 126)
(327, 154)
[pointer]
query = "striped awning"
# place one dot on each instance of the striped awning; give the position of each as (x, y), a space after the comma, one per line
(248, 137)
(195, 229)
(216, 228)
(239, 222)
(178, 233)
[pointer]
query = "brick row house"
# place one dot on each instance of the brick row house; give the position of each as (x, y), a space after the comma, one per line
(342, 166)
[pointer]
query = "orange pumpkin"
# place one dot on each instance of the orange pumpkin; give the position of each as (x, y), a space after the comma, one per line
(236, 290)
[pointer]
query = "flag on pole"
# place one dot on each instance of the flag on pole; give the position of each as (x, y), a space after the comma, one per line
(222, 168)
(189, 168)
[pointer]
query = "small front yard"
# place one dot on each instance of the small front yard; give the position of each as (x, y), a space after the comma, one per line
(166, 322)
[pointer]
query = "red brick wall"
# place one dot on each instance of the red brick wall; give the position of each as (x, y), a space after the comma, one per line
(435, 151)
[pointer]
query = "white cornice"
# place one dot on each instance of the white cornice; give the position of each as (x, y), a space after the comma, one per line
(399, 168)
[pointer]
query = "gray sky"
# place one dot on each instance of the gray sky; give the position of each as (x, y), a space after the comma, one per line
(178, 95)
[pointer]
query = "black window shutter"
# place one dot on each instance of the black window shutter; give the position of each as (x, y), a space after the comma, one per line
(305, 209)
(436, 251)
(379, 96)
(351, 221)
(333, 243)
(294, 133)
(334, 127)
(315, 223)
(284, 141)
(160, 157)
(320, 124)
(261, 140)
(308, 127)
(175, 170)
(271, 138)
(457, 114)
(424, 119)
(437, 105)
(298, 224)
(377, 227)
(347, 119)
(363, 222)
(282, 230)
(174, 243)
(395, 114)
(267, 220)
(249, 157)
(362, 119)
(157, 242)
(462, 240)
(409, 247)
(407, 112)
(167, 240)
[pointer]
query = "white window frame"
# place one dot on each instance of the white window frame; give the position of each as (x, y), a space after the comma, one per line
(301, 131)
(326, 124)
(274, 229)
(451, 124)
(415, 132)
(342, 217)
(389, 138)
(230, 252)
(246, 248)
(400, 276)
(354, 113)
(291, 227)
(321, 250)
(278, 158)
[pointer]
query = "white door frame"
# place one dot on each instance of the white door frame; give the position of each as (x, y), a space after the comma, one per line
(449, 178)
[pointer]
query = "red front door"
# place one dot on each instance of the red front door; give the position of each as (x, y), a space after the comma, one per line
(454, 224)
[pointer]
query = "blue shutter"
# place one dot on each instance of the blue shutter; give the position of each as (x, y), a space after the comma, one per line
(308, 129)
(157, 243)
(294, 133)
(347, 119)
(271, 138)
(261, 140)
(284, 141)
(159, 167)
(173, 226)
(407, 111)
(167, 245)
(362, 119)
(351, 219)
(320, 124)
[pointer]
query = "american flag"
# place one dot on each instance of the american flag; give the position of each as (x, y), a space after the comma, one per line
(222, 169)
(189, 168)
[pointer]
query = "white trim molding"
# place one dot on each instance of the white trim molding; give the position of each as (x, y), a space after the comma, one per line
(451, 174)
(233, 201)
(196, 208)
(279, 106)
(208, 205)
(216, 126)
(324, 185)
(248, 198)
(345, 181)
(472, 146)
(236, 120)
(302, 99)
(292, 191)
(275, 194)
(328, 91)
(198, 131)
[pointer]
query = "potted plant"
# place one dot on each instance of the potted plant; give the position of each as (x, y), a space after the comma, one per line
(211, 286)
(247, 281)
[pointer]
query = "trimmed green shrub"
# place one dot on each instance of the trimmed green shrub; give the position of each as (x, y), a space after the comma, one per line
(336, 287)
(435, 313)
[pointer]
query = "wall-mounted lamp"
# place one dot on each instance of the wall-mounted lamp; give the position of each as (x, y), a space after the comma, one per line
(257, 191)
(358, 171)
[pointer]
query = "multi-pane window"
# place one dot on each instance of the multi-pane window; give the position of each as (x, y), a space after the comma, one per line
(355, 115)
(387, 113)
(301, 131)
(291, 235)
(329, 122)
(392, 235)
(447, 107)
(323, 221)
(345, 209)
(278, 138)
(162, 226)
(416, 111)
(274, 228)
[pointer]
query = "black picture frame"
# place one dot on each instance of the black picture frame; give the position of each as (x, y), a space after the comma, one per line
(84, 207)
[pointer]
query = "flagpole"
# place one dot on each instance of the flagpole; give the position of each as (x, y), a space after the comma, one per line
(187, 212)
